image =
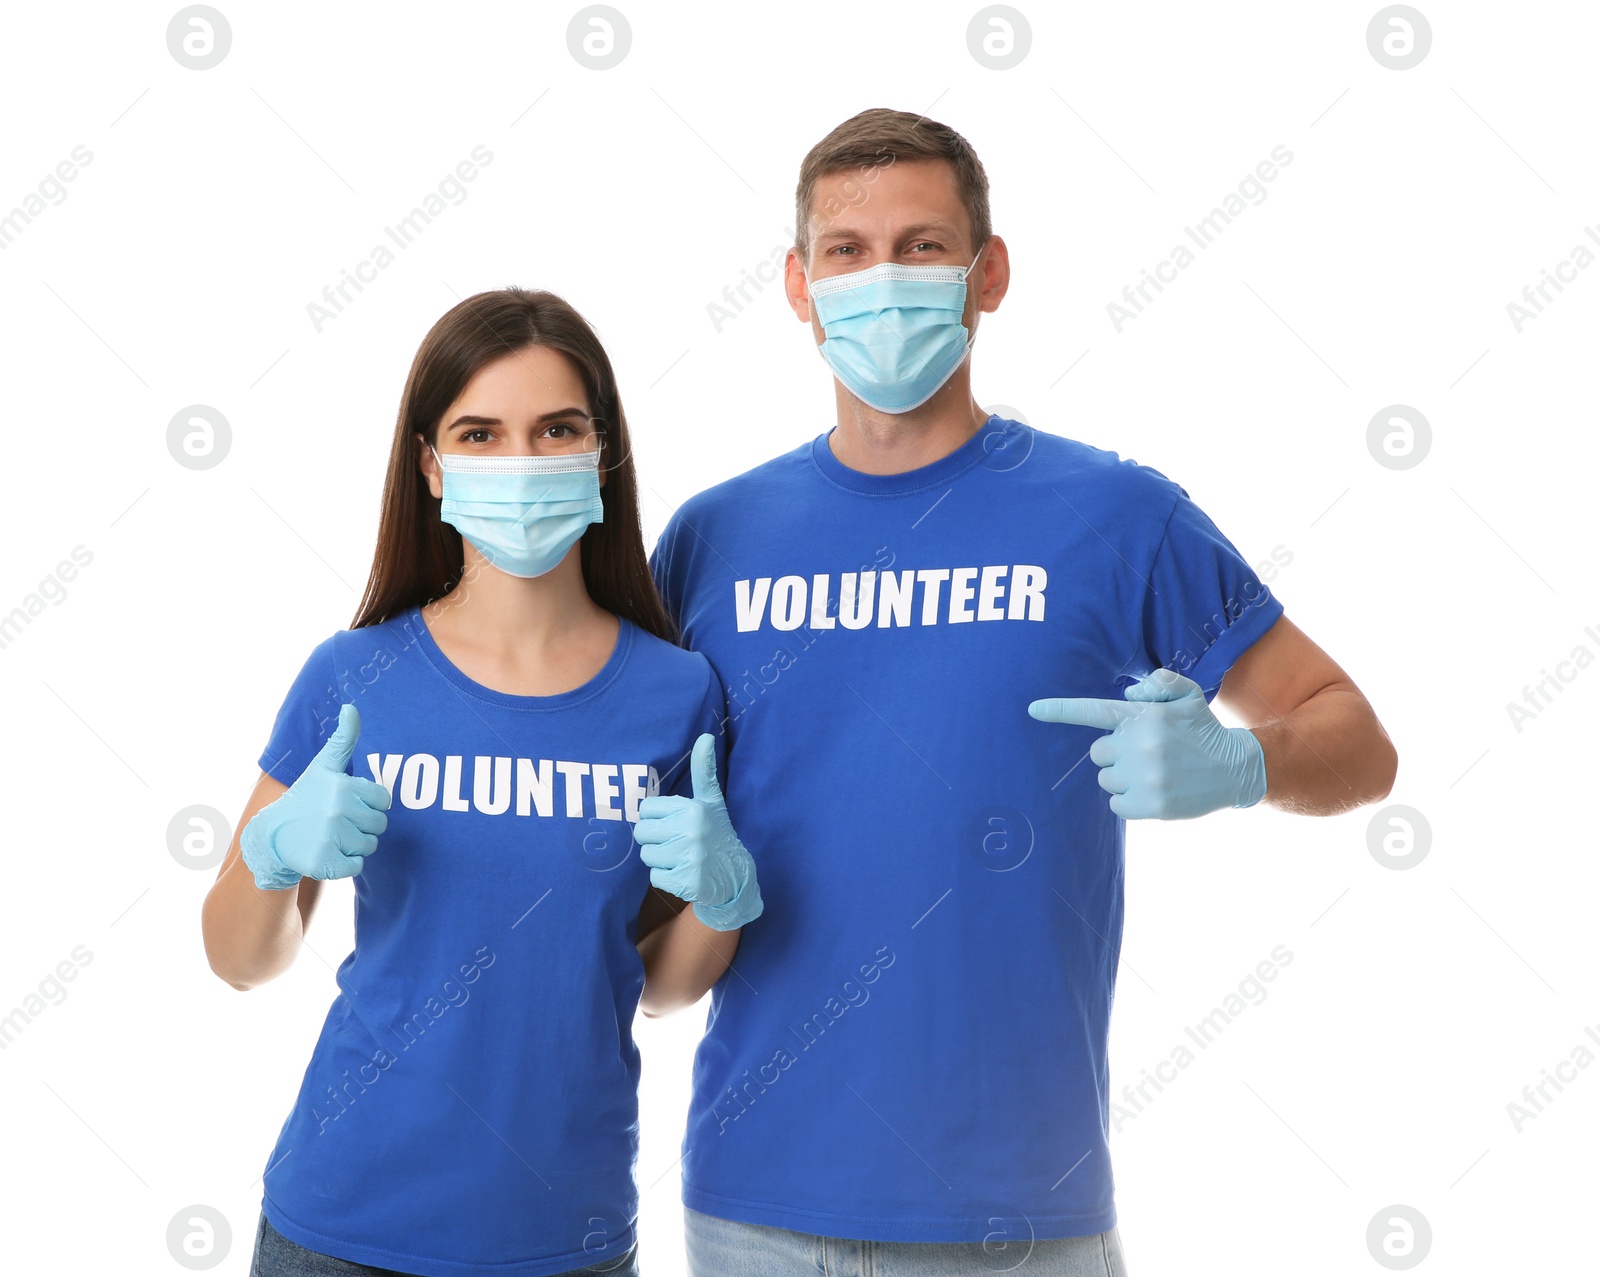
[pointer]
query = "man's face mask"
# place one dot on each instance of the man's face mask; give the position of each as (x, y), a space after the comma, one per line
(892, 333)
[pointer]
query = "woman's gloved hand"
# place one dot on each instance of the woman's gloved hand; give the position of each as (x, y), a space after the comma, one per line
(323, 824)
(692, 850)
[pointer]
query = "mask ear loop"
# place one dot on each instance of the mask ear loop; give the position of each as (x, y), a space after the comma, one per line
(966, 276)
(438, 461)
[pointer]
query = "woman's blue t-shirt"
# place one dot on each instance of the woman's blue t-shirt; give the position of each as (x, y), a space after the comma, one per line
(471, 1104)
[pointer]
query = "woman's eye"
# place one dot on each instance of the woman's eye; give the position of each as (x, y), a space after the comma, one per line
(479, 435)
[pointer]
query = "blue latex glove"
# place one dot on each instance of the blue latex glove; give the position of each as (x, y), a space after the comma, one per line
(692, 850)
(1167, 757)
(323, 824)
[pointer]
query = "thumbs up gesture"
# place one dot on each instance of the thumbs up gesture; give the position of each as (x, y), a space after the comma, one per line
(1167, 756)
(324, 823)
(692, 850)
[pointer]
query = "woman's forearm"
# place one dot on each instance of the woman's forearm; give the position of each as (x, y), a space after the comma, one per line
(252, 935)
(682, 959)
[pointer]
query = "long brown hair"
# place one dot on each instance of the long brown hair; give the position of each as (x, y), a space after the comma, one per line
(419, 557)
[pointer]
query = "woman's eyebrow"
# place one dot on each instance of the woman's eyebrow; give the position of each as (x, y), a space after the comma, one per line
(469, 420)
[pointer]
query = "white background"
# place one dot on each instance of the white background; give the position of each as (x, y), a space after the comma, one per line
(1377, 271)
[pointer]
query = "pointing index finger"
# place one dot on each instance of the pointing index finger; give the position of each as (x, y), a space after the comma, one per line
(1084, 711)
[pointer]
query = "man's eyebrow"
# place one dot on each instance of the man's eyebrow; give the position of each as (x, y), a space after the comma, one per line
(921, 228)
(470, 420)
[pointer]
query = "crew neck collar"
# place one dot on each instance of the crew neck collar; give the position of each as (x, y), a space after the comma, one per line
(969, 454)
(607, 673)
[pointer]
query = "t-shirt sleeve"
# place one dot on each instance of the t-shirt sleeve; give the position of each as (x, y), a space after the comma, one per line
(710, 717)
(661, 567)
(1204, 604)
(306, 718)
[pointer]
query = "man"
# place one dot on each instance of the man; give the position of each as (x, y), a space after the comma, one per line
(926, 620)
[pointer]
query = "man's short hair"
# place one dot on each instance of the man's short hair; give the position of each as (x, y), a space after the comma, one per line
(875, 139)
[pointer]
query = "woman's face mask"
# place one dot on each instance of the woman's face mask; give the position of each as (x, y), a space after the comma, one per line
(521, 513)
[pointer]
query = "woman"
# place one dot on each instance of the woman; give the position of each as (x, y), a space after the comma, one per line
(510, 687)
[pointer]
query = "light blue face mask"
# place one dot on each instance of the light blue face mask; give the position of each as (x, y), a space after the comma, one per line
(521, 513)
(892, 333)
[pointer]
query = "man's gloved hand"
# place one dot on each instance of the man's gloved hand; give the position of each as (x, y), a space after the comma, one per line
(323, 824)
(692, 850)
(1167, 757)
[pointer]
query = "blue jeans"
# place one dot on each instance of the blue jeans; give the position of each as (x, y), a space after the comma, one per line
(724, 1248)
(277, 1256)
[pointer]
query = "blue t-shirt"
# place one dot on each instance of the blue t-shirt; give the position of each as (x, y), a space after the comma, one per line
(912, 1045)
(471, 1104)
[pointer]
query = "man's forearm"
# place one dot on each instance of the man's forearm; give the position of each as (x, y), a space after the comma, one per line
(682, 959)
(1328, 755)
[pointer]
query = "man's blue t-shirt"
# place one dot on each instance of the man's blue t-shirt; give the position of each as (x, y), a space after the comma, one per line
(912, 1043)
(471, 1105)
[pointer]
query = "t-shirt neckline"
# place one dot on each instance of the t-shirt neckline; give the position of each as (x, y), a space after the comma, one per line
(969, 454)
(537, 704)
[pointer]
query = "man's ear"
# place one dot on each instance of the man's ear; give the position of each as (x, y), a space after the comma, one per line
(797, 291)
(429, 467)
(993, 276)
